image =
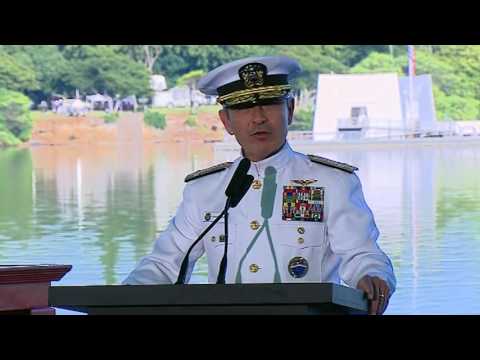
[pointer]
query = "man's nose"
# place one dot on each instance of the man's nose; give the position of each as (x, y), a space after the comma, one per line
(259, 116)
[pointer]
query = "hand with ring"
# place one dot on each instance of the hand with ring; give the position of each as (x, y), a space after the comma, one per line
(378, 293)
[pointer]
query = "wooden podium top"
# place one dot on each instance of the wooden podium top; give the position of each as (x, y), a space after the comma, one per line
(24, 288)
(27, 274)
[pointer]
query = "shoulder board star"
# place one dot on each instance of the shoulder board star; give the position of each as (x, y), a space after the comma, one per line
(211, 170)
(332, 163)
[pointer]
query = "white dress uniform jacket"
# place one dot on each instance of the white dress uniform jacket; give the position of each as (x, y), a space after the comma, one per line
(264, 245)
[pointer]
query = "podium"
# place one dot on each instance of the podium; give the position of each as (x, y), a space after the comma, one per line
(24, 288)
(211, 299)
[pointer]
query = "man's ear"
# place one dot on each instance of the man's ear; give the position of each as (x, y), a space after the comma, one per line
(223, 114)
(291, 108)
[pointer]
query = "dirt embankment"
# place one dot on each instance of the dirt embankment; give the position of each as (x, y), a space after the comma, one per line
(63, 130)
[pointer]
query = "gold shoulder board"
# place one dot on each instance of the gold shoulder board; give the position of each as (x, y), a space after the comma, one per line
(211, 170)
(332, 163)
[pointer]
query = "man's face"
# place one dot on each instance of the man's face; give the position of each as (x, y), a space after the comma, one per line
(260, 130)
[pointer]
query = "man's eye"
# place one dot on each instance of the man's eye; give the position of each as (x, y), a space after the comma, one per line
(271, 107)
(244, 111)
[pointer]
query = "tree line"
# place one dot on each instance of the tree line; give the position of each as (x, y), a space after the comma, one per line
(40, 71)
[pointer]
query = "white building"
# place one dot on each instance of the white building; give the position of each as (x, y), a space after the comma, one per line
(178, 96)
(382, 98)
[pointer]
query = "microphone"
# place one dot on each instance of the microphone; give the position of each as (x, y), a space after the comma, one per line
(236, 190)
(242, 190)
(237, 178)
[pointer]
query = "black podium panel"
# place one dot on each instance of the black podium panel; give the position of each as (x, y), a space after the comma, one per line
(211, 299)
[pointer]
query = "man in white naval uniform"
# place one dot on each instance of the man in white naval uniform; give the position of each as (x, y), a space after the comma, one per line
(304, 218)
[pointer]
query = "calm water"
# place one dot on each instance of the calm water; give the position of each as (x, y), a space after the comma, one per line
(99, 209)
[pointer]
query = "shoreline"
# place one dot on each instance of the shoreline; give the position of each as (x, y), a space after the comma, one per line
(367, 143)
(57, 130)
(129, 128)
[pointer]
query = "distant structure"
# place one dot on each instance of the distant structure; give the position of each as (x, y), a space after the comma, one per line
(128, 103)
(70, 107)
(77, 107)
(372, 105)
(178, 96)
(100, 102)
(158, 83)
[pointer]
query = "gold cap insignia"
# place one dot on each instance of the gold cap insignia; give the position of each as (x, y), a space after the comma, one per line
(253, 75)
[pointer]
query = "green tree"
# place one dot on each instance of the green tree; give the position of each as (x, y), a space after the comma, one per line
(144, 54)
(455, 79)
(302, 120)
(15, 118)
(350, 55)
(75, 52)
(176, 60)
(48, 64)
(444, 74)
(455, 107)
(101, 69)
(465, 64)
(377, 63)
(16, 75)
(314, 60)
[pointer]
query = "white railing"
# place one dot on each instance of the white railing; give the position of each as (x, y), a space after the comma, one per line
(300, 135)
(383, 133)
(349, 123)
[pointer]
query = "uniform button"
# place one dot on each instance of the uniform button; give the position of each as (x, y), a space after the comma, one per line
(221, 238)
(213, 239)
(254, 225)
(257, 184)
(300, 240)
(301, 230)
(208, 216)
(254, 268)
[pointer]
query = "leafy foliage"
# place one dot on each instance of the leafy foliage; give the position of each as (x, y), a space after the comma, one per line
(15, 118)
(155, 119)
(39, 71)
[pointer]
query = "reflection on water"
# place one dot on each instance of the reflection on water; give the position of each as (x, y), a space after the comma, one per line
(99, 209)
(425, 200)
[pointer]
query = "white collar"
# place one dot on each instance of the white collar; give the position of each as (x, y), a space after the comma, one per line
(277, 160)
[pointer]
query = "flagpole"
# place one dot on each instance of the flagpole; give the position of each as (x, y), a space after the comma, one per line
(411, 73)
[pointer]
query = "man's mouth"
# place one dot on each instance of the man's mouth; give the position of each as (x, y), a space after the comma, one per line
(260, 133)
